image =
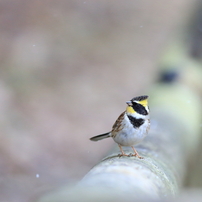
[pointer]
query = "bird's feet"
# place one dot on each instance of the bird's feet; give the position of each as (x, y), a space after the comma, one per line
(123, 154)
(129, 155)
(137, 155)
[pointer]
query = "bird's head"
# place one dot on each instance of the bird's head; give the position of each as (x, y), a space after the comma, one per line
(138, 105)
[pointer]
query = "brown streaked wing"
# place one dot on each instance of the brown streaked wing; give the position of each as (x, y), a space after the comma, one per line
(117, 125)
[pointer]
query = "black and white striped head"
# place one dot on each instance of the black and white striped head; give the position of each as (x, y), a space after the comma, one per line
(138, 105)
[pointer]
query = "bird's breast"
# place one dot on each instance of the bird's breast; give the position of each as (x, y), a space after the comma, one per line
(130, 134)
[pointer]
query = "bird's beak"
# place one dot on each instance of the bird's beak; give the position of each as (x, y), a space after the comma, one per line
(129, 103)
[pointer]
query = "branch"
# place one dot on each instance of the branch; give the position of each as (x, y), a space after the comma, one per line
(175, 112)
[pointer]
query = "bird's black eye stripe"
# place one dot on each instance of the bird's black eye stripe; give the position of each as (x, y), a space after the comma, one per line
(136, 122)
(139, 108)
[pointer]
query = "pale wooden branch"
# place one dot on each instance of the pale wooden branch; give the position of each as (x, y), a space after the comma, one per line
(175, 119)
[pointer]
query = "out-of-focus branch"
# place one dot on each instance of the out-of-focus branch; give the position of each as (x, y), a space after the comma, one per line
(175, 123)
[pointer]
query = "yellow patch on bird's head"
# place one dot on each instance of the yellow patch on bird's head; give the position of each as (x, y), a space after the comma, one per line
(143, 102)
(130, 110)
(138, 105)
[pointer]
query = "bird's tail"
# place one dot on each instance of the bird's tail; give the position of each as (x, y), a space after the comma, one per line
(100, 137)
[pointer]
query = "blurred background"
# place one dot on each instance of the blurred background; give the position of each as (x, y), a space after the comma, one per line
(66, 70)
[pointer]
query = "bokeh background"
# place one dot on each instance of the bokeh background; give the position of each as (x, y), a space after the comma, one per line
(66, 70)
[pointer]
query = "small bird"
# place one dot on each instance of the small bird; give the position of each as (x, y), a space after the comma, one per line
(132, 125)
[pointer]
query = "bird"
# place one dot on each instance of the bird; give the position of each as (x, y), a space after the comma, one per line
(131, 127)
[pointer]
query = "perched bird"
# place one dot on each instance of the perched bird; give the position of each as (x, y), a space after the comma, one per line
(132, 125)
